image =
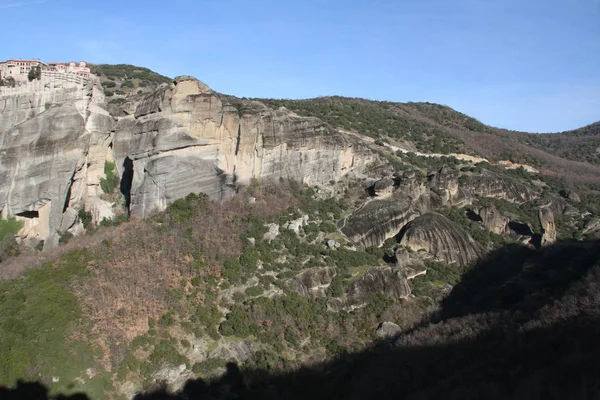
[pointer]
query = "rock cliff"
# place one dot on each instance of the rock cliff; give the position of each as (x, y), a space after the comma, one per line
(182, 138)
(188, 137)
(53, 144)
(435, 234)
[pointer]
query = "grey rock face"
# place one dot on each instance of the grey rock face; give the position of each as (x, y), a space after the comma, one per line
(492, 219)
(51, 160)
(384, 187)
(438, 236)
(238, 351)
(388, 329)
(378, 220)
(332, 244)
(381, 219)
(549, 233)
(296, 224)
(384, 280)
(493, 185)
(312, 283)
(272, 233)
(187, 137)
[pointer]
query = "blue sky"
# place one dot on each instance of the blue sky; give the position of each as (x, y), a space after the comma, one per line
(529, 65)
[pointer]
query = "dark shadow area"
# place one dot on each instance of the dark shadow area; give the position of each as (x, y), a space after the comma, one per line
(35, 391)
(127, 181)
(522, 324)
(520, 229)
(520, 278)
(473, 216)
(28, 214)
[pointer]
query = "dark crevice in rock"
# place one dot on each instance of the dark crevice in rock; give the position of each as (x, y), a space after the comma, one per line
(126, 181)
(239, 136)
(68, 195)
(473, 216)
(520, 229)
(29, 214)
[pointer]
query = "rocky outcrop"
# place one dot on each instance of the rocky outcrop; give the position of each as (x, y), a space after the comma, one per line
(53, 146)
(445, 189)
(549, 233)
(187, 136)
(382, 218)
(378, 220)
(387, 281)
(238, 351)
(411, 267)
(438, 236)
(497, 186)
(492, 219)
(387, 330)
(383, 187)
(312, 283)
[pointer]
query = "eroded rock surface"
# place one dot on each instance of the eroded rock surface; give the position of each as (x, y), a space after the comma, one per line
(188, 136)
(53, 145)
(438, 236)
(312, 283)
(387, 281)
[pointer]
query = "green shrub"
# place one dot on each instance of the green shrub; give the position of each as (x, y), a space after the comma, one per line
(38, 314)
(118, 100)
(85, 217)
(209, 366)
(109, 84)
(254, 291)
(109, 93)
(9, 227)
(65, 237)
(127, 84)
(110, 183)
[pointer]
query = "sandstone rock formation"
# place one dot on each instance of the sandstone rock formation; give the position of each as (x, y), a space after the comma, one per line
(549, 233)
(494, 185)
(312, 283)
(492, 219)
(188, 136)
(384, 187)
(387, 281)
(53, 146)
(438, 236)
(378, 220)
(182, 138)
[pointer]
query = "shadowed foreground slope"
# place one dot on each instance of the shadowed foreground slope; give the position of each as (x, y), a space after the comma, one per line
(522, 324)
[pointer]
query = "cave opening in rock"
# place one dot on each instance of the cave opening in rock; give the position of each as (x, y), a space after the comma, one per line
(29, 214)
(473, 216)
(520, 228)
(127, 181)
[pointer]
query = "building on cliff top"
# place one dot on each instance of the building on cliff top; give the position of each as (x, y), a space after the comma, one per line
(19, 69)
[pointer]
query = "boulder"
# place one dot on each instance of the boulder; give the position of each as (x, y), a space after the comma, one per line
(383, 187)
(387, 330)
(296, 224)
(312, 283)
(272, 233)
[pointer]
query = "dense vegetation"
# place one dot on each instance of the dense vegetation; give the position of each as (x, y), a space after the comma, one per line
(126, 71)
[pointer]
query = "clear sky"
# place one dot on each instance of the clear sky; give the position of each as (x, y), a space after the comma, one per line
(529, 65)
